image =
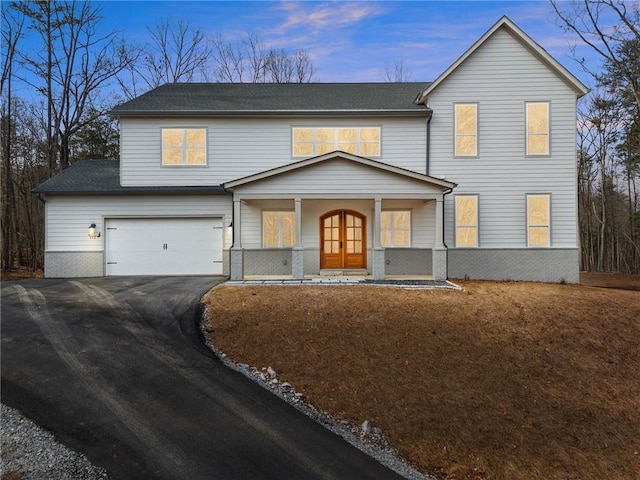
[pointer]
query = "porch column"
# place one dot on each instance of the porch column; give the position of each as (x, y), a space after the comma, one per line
(236, 254)
(297, 253)
(439, 251)
(378, 266)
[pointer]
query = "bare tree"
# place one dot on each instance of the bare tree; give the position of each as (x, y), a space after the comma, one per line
(178, 53)
(585, 18)
(71, 69)
(609, 139)
(12, 24)
(303, 65)
(256, 57)
(251, 61)
(229, 60)
(399, 73)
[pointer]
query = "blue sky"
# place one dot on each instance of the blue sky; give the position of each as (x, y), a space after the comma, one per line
(355, 41)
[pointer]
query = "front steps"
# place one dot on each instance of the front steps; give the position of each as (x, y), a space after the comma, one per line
(350, 272)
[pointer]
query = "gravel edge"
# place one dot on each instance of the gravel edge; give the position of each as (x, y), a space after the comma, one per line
(366, 438)
(30, 452)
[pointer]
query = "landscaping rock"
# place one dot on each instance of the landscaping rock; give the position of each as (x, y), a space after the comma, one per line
(366, 427)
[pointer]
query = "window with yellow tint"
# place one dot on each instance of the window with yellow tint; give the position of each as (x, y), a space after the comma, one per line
(537, 128)
(184, 146)
(466, 220)
(395, 228)
(466, 125)
(538, 220)
(312, 141)
(278, 229)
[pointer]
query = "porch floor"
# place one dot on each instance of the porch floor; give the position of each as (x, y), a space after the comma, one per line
(403, 282)
(338, 278)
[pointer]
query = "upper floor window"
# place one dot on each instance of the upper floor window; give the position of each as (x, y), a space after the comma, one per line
(278, 229)
(184, 146)
(537, 128)
(538, 220)
(312, 141)
(395, 228)
(466, 221)
(466, 124)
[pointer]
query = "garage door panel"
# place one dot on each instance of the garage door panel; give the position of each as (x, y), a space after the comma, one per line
(176, 246)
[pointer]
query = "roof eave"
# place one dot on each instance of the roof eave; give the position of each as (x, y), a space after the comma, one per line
(415, 112)
(216, 190)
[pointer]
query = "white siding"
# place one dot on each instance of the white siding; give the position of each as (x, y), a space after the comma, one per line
(241, 147)
(422, 219)
(68, 218)
(338, 177)
(501, 76)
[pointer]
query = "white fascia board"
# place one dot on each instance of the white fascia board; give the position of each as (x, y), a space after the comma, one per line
(343, 155)
(527, 42)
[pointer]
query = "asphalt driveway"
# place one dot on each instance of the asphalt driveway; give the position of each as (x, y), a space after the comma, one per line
(115, 368)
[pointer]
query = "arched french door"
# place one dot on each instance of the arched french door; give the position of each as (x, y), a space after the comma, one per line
(343, 240)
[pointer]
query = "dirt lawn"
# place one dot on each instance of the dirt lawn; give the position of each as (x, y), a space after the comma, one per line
(499, 381)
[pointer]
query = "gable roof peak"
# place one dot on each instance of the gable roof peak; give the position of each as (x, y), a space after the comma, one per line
(343, 156)
(505, 23)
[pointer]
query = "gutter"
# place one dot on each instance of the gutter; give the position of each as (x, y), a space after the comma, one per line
(267, 113)
(213, 190)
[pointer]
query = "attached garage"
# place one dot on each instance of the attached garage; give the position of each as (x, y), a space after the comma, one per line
(163, 246)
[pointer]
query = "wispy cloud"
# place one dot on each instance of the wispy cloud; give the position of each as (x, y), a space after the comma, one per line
(327, 15)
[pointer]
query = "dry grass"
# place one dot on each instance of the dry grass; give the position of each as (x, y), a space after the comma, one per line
(12, 475)
(20, 273)
(500, 381)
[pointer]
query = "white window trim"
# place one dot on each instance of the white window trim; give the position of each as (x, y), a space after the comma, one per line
(391, 229)
(475, 134)
(526, 129)
(184, 150)
(280, 228)
(548, 224)
(476, 225)
(336, 141)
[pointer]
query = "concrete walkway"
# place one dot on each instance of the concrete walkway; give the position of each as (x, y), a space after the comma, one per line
(427, 284)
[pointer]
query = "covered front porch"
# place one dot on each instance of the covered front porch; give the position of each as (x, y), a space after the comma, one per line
(321, 217)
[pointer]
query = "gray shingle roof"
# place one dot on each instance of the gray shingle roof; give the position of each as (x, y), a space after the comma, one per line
(277, 98)
(103, 177)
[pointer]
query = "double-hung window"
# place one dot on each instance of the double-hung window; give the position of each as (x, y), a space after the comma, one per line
(537, 126)
(312, 141)
(466, 220)
(466, 126)
(395, 228)
(184, 146)
(278, 229)
(538, 220)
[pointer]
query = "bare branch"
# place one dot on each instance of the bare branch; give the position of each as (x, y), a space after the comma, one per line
(399, 73)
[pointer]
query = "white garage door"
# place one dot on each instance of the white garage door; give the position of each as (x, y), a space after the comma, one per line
(163, 246)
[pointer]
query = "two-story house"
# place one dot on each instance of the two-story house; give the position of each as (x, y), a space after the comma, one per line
(472, 175)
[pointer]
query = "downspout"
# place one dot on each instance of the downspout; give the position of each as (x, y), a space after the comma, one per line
(445, 193)
(428, 141)
(233, 212)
